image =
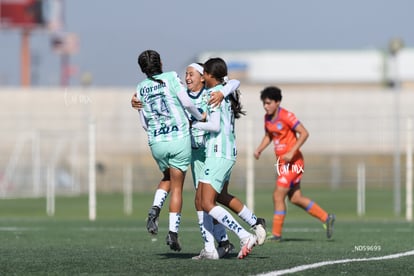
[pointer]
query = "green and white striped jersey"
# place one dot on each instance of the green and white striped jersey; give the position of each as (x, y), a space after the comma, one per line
(222, 144)
(165, 116)
(200, 100)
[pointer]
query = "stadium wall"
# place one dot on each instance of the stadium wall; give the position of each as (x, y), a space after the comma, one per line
(50, 126)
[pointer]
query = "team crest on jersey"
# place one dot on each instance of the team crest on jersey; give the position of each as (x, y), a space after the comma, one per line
(279, 126)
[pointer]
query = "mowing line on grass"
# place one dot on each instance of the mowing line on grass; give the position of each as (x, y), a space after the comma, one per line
(320, 264)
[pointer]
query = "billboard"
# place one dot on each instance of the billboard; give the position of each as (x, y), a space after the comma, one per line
(22, 13)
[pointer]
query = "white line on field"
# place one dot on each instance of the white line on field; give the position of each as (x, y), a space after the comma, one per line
(16, 229)
(315, 265)
(195, 229)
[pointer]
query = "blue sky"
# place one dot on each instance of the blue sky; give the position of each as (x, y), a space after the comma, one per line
(113, 33)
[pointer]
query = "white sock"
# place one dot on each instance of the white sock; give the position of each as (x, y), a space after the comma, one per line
(247, 215)
(225, 218)
(209, 244)
(159, 198)
(204, 234)
(175, 220)
(219, 232)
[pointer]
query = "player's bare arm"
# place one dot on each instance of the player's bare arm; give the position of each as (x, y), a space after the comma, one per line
(303, 135)
(267, 139)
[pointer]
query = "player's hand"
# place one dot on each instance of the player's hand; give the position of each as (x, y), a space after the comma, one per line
(204, 117)
(216, 98)
(288, 156)
(135, 102)
(257, 154)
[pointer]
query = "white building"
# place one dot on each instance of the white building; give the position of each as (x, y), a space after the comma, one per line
(366, 68)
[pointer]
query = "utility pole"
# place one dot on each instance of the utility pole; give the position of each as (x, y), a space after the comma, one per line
(25, 59)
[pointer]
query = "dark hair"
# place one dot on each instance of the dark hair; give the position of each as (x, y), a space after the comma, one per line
(150, 63)
(218, 69)
(236, 105)
(271, 92)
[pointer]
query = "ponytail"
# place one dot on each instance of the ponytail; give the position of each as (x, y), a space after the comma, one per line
(236, 105)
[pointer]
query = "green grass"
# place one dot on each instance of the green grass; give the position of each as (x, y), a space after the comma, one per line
(117, 244)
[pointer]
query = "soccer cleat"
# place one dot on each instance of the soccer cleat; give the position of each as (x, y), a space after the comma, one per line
(152, 220)
(224, 248)
(204, 254)
(247, 245)
(172, 241)
(260, 230)
(273, 238)
(329, 225)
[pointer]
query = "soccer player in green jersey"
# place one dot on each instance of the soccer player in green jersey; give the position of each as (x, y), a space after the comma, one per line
(220, 158)
(198, 94)
(201, 98)
(163, 96)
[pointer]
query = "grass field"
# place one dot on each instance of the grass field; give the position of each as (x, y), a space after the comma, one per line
(117, 244)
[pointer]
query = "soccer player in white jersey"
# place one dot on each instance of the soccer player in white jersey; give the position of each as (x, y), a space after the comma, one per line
(220, 158)
(163, 96)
